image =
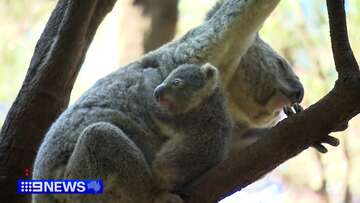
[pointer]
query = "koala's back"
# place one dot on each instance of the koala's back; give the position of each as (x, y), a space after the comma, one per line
(120, 99)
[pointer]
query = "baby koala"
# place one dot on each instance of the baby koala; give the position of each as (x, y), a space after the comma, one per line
(192, 107)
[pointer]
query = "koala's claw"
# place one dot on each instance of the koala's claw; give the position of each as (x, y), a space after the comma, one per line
(343, 126)
(288, 111)
(291, 110)
(296, 108)
(333, 141)
(320, 148)
(330, 140)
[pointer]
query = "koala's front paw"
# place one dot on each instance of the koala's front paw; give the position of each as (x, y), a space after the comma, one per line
(291, 110)
(343, 126)
(167, 197)
(327, 139)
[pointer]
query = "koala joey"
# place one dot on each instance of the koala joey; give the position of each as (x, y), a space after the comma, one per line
(144, 139)
(193, 105)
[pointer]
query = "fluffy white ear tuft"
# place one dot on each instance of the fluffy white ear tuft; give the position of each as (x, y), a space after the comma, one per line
(209, 70)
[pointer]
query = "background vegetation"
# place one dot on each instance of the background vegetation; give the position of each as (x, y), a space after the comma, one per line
(298, 29)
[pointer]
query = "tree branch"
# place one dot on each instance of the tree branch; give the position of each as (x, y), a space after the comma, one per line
(154, 25)
(56, 62)
(345, 61)
(295, 134)
(46, 90)
(164, 16)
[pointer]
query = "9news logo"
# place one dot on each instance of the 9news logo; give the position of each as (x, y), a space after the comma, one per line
(59, 186)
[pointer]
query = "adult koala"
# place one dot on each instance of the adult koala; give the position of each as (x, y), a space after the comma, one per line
(262, 85)
(112, 121)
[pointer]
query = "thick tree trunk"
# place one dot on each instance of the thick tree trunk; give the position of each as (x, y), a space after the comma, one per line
(153, 23)
(46, 90)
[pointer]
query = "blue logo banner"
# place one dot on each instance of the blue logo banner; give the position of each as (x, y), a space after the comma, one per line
(59, 186)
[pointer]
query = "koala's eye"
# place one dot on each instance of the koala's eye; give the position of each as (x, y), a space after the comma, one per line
(177, 82)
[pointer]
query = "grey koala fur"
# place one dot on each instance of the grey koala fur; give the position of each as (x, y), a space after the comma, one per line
(196, 111)
(112, 120)
(95, 138)
(262, 85)
(97, 147)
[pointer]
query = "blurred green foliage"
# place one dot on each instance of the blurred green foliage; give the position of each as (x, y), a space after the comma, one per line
(297, 29)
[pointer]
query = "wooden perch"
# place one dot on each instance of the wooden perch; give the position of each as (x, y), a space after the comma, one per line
(46, 90)
(295, 134)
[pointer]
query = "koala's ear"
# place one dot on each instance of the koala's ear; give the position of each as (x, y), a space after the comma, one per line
(209, 70)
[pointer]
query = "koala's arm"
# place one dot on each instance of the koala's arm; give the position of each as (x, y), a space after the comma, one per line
(244, 137)
(182, 159)
(222, 39)
(326, 139)
(252, 135)
(234, 20)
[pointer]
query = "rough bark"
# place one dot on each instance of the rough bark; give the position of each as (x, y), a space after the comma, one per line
(57, 58)
(55, 64)
(295, 134)
(153, 23)
(164, 15)
(46, 90)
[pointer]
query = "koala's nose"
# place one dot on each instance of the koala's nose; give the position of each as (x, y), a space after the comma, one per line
(296, 92)
(292, 89)
(159, 91)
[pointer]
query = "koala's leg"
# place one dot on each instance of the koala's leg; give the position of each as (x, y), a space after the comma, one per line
(183, 159)
(104, 152)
